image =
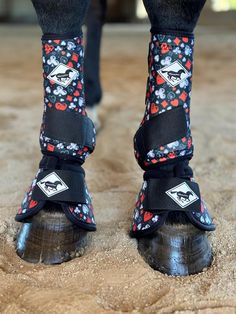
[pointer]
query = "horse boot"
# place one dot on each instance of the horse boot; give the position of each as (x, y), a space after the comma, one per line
(170, 218)
(57, 212)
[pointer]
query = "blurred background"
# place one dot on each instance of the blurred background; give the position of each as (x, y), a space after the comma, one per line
(16, 11)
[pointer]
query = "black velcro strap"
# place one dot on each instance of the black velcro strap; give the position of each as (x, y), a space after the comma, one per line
(172, 194)
(160, 130)
(69, 127)
(60, 185)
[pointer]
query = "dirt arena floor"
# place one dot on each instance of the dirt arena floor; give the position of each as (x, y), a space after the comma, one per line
(112, 277)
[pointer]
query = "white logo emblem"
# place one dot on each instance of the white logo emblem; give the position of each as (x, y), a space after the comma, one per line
(174, 73)
(52, 184)
(182, 195)
(63, 75)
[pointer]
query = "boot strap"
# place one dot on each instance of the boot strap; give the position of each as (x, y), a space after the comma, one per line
(172, 194)
(60, 186)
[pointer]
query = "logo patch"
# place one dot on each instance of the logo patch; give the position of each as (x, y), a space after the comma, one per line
(174, 73)
(63, 75)
(182, 195)
(52, 184)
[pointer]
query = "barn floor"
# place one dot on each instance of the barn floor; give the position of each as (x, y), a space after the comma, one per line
(112, 277)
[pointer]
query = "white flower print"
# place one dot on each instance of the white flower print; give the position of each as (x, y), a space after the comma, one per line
(166, 61)
(81, 102)
(146, 227)
(72, 106)
(58, 49)
(151, 154)
(188, 51)
(184, 84)
(177, 50)
(52, 61)
(71, 45)
(160, 93)
(60, 91)
(155, 218)
(60, 146)
(73, 146)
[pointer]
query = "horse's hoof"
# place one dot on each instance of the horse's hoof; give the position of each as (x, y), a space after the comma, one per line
(177, 250)
(50, 238)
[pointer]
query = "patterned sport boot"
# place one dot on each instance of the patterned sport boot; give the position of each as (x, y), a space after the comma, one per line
(170, 218)
(57, 210)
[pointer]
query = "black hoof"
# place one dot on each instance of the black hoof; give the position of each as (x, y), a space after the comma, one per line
(50, 238)
(177, 249)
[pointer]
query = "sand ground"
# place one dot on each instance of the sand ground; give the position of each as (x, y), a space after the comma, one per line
(112, 277)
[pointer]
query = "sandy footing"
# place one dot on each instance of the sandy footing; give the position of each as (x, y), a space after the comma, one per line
(112, 277)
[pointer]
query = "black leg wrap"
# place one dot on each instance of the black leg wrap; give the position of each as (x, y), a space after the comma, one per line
(61, 182)
(66, 130)
(163, 143)
(67, 135)
(168, 190)
(67, 127)
(159, 131)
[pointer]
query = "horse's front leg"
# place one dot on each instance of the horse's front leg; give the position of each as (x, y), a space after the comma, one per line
(171, 233)
(55, 222)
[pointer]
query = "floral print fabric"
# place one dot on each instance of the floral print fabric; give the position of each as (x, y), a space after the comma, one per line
(146, 222)
(64, 90)
(169, 86)
(80, 214)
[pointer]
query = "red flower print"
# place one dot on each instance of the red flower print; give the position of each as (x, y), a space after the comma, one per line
(154, 108)
(159, 80)
(147, 216)
(165, 48)
(176, 41)
(48, 48)
(50, 147)
(33, 204)
(60, 106)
